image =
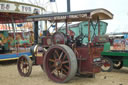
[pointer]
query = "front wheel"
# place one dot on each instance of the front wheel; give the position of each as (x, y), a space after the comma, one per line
(24, 65)
(118, 64)
(107, 64)
(60, 63)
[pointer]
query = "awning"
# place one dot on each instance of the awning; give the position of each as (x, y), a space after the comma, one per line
(5, 28)
(83, 15)
(16, 12)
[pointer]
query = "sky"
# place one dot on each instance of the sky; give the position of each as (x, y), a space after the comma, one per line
(119, 8)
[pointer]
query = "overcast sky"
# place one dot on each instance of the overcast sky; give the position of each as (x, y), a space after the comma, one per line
(118, 7)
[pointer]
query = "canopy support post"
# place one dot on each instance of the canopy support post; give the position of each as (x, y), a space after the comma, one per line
(89, 31)
(98, 27)
(12, 19)
(36, 32)
(66, 26)
(45, 25)
(56, 26)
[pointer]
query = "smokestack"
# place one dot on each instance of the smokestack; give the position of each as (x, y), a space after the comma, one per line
(68, 6)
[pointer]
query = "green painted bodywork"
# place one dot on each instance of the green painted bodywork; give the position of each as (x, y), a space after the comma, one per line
(114, 55)
(83, 27)
(125, 61)
(106, 47)
(110, 53)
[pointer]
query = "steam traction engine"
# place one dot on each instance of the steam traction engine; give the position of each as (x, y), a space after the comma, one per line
(61, 55)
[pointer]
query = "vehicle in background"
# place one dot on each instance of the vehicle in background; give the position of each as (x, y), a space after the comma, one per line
(115, 54)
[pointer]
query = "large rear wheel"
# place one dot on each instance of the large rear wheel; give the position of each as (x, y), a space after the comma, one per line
(60, 63)
(24, 65)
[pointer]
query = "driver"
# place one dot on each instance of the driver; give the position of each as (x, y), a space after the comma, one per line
(71, 34)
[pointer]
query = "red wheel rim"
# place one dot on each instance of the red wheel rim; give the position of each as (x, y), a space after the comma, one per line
(106, 64)
(57, 64)
(24, 66)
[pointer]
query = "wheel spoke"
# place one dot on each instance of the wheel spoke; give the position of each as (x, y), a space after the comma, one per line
(54, 56)
(54, 70)
(52, 65)
(23, 59)
(57, 53)
(26, 69)
(21, 62)
(21, 67)
(60, 55)
(58, 73)
(52, 60)
(64, 62)
(64, 56)
(66, 67)
(23, 70)
(64, 71)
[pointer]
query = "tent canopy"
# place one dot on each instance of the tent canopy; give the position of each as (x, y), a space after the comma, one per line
(16, 12)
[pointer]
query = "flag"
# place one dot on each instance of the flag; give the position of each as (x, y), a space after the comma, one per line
(52, 0)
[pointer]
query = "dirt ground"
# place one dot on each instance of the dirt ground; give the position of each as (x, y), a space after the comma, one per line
(10, 76)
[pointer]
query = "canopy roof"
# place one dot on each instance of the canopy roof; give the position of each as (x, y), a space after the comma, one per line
(11, 11)
(83, 15)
